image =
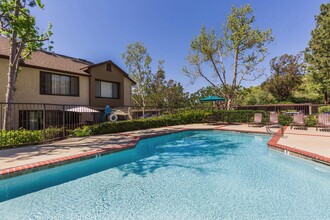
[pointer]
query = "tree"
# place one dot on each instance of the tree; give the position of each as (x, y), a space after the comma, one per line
(241, 47)
(19, 26)
(286, 76)
(317, 54)
(138, 60)
(195, 98)
(255, 96)
(308, 91)
(164, 93)
(157, 87)
(175, 95)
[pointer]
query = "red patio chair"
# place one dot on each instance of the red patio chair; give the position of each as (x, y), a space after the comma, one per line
(273, 118)
(257, 120)
(323, 121)
(298, 121)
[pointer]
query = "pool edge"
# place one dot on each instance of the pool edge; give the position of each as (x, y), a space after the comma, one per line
(273, 144)
(37, 166)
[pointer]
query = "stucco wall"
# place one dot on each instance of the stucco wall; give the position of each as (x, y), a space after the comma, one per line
(127, 91)
(28, 88)
(100, 73)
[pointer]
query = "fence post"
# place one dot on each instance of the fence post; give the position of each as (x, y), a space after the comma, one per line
(63, 120)
(310, 109)
(44, 122)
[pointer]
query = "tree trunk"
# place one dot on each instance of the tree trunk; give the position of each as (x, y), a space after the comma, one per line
(229, 101)
(326, 98)
(143, 109)
(14, 56)
(9, 98)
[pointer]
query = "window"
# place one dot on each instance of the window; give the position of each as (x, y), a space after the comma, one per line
(30, 119)
(106, 89)
(109, 67)
(55, 84)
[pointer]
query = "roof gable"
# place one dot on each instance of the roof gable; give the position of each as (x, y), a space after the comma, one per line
(112, 63)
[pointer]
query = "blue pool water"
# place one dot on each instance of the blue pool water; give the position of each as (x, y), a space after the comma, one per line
(188, 175)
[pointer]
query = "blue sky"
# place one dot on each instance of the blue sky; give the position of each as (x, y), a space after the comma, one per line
(100, 30)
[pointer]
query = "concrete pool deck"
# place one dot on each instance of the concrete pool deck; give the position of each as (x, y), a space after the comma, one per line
(306, 143)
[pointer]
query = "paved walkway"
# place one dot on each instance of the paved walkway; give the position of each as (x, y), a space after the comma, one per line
(18, 159)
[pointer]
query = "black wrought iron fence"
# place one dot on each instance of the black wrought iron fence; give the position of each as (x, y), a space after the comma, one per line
(27, 123)
(36, 123)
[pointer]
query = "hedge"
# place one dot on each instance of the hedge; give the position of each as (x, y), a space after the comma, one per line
(324, 109)
(23, 136)
(187, 117)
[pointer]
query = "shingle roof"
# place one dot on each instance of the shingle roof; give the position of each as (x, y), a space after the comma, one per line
(49, 60)
(56, 62)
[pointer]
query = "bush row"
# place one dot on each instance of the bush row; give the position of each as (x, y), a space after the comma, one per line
(23, 136)
(324, 109)
(187, 117)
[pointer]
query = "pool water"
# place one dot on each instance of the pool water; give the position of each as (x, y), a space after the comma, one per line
(187, 175)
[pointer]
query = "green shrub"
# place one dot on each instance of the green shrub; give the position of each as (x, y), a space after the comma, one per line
(240, 115)
(310, 120)
(21, 136)
(52, 133)
(122, 126)
(324, 109)
(187, 117)
(190, 117)
(285, 119)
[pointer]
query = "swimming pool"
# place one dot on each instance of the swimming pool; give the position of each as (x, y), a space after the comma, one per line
(187, 175)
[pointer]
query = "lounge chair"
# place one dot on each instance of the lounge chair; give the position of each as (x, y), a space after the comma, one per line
(257, 120)
(323, 121)
(298, 121)
(273, 118)
(211, 119)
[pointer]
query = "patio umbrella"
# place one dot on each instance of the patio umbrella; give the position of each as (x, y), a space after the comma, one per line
(85, 113)
(80, 109)
(212, 99)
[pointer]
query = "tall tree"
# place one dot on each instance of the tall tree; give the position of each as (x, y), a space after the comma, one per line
(175, 95)
(19, 26)
(255, 95)
(241, 48)
(318, 53)
(286, 76)
(138, 60)
(195, 98)
(157, 87)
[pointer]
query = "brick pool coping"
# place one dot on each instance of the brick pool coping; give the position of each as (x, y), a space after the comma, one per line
(33, 167)
(273, 144)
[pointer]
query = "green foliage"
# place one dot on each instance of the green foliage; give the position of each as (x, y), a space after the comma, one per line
(255, 96)
(287, 71)
(186, 117)
(190, 117)
(240, 42)
(195, 98)
(285, 119)
(23, 136)
(317, 53)
(53, 133)
(122, 126)
(20, 26)
(162, 92)
(240, 115)
(307, 92)
(324, 109)
(310, 120)
(138, 60)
